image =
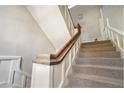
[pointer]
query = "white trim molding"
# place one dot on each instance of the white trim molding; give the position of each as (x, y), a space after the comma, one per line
(12, 64)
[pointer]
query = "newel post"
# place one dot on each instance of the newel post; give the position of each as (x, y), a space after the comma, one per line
(41, 72)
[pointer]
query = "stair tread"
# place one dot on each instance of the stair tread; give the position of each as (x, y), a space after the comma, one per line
(100, 61)
(98, 49)
(89, 84)
(96, 45)
(101, 52)
(107, 54)
(96, 42)
(101, 58)
(99, 66)
(108, 71)
(96, 79)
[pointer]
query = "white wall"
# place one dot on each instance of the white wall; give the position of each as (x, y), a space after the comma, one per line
(51, 21)
(115, 15)
(89, 21)
(20, 35)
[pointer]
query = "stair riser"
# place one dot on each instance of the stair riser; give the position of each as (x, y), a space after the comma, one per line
(103, 62)
(99, 71)
(78, 83)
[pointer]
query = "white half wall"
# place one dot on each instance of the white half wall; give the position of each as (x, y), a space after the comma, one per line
(20, 35)
(52, 22)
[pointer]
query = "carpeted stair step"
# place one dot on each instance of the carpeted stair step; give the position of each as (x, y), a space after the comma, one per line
(108, 54)
(96, 45)
(97, 42)
(92, 49)
(93, 81)
(117, 62)
(106, 71)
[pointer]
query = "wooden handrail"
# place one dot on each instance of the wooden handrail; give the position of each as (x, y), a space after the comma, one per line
(60, 55)
(57, 58)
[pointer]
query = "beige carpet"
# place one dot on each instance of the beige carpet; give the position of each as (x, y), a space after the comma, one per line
(98, 65)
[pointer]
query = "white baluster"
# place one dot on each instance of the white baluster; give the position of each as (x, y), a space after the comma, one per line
(108, 26)
(109, 35)
(63, 73)
(73, 52)
(69, 64)
(112, 37)
(118, 41)
(106, 33)
(123, 47)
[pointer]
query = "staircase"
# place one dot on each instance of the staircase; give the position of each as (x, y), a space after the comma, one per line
(97, 65)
